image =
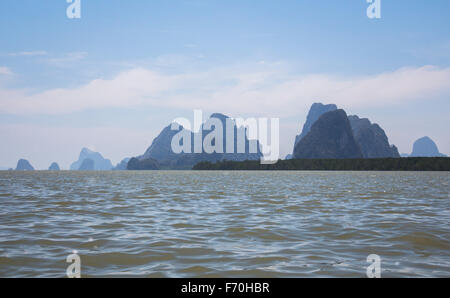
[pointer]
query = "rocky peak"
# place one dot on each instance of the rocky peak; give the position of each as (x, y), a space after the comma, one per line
(372, 139)
(331, 137)
(24, 165)
(54, 167)
(425, 147)
(316, 110)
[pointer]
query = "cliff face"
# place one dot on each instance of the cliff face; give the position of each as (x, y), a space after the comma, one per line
(161, 149)
(330, 136)
(426, 147)
(316, 110)
(122, 166)
(372, 139)
(100, 163)
(24, 165)
(87, 165)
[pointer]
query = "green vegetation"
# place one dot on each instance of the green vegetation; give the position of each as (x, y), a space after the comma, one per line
(378, 164)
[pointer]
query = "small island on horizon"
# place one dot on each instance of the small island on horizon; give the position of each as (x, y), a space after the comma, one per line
(330, 140)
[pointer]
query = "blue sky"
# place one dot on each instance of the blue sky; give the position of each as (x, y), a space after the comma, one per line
(114, 78)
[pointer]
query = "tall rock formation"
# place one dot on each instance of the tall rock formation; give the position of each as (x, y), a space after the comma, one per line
(316, 110)
(122, 166)
(372, 139)
(54, 167)
(161, 149)
(24, 165)
(331, 137)
(426, 147)
(100, 163)
(87, 165)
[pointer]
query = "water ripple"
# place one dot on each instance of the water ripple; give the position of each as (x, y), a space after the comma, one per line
(224, 224)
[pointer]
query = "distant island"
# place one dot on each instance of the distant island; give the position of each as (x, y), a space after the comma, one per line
(24, 165)
(426, 147)
(359, 164)
(91, 161)
(330, 139)
(54, 167)
(159, 156)
(329, 133)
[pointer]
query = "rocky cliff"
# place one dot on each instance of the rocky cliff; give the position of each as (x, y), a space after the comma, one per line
(426, 147)
(122, 166)
(87, 165)
(100, 163)
(24, 165)
(372, 139)
(161, 149)
(316, 110)
(331, 137)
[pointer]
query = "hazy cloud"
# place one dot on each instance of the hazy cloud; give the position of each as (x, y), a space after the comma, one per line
(267, 90)
(5, 71)
(28, 54)
(67, 59)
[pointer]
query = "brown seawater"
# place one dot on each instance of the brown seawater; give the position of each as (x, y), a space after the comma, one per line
(224, 224)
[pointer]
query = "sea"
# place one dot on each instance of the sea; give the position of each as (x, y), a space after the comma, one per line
(225, 224)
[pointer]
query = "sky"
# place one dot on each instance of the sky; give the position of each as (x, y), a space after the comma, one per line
(113, 79)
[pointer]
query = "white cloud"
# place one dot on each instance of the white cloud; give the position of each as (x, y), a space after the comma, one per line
(28, 54)
(5, 71)
(67, 59)
(266, 90)
(259, 89)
